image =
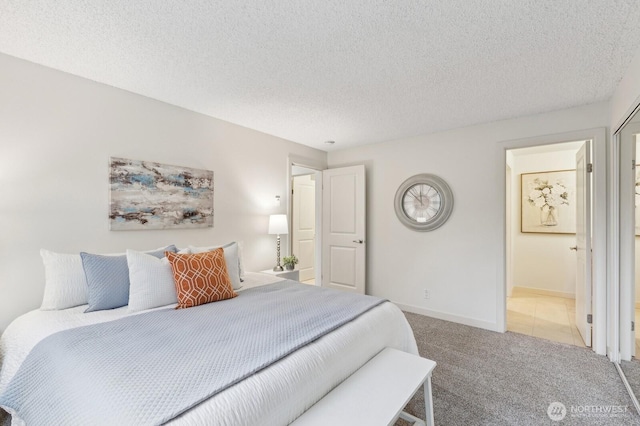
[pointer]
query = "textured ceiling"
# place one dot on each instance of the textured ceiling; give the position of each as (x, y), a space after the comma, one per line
(356, 71)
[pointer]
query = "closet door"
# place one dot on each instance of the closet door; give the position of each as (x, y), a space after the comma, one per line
(627, 239)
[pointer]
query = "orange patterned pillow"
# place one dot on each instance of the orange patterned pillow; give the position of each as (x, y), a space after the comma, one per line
(200, 278)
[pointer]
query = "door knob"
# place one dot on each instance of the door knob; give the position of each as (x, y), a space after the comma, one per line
(358, 241)
(574, 248)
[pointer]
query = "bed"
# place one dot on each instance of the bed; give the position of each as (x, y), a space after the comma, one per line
(274, 395)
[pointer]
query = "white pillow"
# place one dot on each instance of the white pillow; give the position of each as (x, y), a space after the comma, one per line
(230, 257)
(240, 259)
(151, 279)
(65, 282)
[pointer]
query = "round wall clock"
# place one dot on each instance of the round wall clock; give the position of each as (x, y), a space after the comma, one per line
(423, 202)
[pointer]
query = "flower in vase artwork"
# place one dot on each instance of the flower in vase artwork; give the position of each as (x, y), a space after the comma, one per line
(548, 202)
(548, 196)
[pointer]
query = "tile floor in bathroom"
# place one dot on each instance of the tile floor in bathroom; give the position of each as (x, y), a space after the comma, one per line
(547, 317)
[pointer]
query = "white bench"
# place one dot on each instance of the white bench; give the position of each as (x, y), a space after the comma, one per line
(376, 393)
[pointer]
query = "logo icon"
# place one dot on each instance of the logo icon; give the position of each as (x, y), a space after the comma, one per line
(556, 411)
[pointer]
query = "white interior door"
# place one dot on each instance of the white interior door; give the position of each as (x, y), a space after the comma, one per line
(343, 229)
(304, 225)
(627, 239)
(583, 243)
(509, 236)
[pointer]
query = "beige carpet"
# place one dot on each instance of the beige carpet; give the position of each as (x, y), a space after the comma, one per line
(488, 378)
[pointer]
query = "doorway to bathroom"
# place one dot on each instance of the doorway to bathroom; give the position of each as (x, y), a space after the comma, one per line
(547, 203)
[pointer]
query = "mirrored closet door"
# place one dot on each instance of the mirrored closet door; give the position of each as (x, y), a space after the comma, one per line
(627, 139)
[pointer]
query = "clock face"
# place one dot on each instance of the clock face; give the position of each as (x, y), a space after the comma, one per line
(421, 202)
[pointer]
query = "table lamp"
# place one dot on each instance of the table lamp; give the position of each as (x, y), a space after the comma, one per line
(278, 225)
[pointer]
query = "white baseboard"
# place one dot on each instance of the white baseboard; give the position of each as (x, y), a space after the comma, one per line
(543, 292)
(473, 322)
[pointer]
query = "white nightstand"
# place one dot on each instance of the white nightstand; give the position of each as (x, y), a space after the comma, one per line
(290, 275)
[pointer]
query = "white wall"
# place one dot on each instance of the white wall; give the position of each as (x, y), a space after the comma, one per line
(57, 132)
(458, 262)
(542, 261)
(509, 222)
(626, 96)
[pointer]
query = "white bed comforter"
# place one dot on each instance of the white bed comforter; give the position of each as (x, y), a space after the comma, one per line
(276, 395)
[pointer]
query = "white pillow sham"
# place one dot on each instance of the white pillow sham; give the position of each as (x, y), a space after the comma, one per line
(241, 259)
(65, 281)
(232, 259)
(151, 279)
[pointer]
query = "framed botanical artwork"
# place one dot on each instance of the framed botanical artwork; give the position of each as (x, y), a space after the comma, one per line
(548, 202)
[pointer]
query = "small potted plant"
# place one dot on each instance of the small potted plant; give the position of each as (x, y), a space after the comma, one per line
(290, 262)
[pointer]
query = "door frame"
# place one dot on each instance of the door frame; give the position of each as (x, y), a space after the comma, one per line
(318, 166)
(599, 225)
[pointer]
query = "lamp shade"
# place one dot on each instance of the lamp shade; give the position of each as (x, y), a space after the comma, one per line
(278, 224)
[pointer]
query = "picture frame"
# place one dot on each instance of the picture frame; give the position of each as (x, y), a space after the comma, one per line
(548, 202)
(146, 195)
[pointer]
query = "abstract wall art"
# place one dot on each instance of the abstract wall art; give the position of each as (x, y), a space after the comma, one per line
(148, 195)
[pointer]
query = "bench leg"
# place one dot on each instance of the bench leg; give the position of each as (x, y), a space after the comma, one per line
(428, 402)
(428, 408)
(413, 419)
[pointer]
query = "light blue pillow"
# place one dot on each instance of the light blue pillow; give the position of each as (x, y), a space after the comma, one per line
(108, 279)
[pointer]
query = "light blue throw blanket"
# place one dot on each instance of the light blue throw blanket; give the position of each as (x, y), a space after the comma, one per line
(150, 368)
